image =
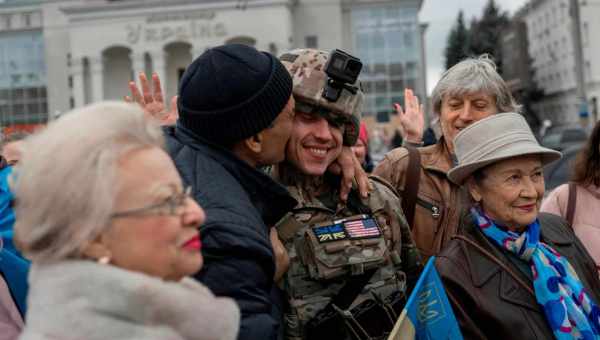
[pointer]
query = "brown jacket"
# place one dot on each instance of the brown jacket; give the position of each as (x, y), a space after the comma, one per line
(438, 203)
(487, 301)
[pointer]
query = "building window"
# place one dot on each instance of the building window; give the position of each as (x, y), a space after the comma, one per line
(7, 21)
(311, 41)
(387, 39)
(23, 83)
(27, 19)
(273, 49)
(588, 67)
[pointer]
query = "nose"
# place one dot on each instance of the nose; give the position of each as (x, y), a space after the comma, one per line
(466, 114)
(194, 214)
(529, 190)
(321, 129)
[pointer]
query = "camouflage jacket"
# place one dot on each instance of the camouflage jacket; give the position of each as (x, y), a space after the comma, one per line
(319, 270)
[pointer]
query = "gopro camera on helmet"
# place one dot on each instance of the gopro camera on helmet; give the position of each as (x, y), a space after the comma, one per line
(343, 70)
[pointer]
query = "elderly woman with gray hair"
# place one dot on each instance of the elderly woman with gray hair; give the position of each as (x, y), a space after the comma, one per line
(469, 91)
(513, 272)
(112, 234)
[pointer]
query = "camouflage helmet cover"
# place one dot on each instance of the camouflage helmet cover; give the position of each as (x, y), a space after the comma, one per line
(307, 68)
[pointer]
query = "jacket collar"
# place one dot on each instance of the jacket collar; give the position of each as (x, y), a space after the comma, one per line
(123, 303)
(484, 269)
(437, 157)
(270, 198)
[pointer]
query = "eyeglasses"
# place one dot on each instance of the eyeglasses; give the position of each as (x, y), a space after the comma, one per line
(171, 206)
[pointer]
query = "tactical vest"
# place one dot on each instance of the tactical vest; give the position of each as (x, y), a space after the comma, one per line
(333, 253)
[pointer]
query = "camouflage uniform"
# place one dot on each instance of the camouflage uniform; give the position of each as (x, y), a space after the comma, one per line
(326, 252)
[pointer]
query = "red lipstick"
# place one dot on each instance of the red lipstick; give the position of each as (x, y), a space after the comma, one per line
(193, 244)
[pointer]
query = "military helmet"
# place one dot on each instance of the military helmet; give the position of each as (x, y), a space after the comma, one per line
(307, 68)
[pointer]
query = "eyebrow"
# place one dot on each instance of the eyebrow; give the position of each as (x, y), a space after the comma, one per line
(507, 171)
(161, 189)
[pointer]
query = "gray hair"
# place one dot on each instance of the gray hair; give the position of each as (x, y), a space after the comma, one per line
(473, 75)
(67, 180)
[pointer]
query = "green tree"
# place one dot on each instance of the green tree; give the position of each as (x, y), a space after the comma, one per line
(485, 33)
(457, 46)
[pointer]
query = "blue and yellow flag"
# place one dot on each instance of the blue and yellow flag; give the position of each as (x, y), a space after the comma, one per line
(427, 314)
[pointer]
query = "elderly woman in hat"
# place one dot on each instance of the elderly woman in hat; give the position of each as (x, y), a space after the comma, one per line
(112, 234)
(513, 272)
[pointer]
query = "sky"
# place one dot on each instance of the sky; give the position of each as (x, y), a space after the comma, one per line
(441, 15)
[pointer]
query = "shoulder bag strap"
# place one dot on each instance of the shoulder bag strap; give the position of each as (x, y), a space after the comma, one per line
(411, 185)
(497, 261)
(571, 203)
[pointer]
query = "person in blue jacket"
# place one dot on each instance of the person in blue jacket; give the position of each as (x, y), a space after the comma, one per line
(13, 267)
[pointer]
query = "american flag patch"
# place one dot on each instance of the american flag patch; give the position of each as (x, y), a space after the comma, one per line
(364, 228)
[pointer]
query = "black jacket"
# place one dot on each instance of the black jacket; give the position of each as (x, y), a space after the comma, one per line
(241, 204)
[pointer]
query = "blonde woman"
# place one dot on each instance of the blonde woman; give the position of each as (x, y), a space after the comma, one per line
(112, 234)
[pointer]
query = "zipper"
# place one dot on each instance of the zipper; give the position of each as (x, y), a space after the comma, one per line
(435, 210)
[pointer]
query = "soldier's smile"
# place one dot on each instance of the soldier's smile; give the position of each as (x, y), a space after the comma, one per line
(314, 144)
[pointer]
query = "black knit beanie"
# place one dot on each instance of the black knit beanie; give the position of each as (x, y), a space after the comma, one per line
(232, 92)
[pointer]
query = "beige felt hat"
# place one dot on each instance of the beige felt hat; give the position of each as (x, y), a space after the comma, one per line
(493, 139)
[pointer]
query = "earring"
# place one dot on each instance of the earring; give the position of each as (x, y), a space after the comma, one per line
(104, 260)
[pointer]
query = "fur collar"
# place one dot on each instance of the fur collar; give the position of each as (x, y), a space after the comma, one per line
(85, 300)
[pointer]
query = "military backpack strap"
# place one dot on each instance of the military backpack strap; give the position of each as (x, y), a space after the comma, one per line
(411, 185)
(288, 226)
(355, 203)
(571, 203)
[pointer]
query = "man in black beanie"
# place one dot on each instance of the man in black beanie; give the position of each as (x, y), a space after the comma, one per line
(235, 115)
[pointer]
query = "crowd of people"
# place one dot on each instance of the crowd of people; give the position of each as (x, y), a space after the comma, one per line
(250, 208)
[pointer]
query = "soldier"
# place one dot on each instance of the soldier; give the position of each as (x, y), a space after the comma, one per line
(350, 263)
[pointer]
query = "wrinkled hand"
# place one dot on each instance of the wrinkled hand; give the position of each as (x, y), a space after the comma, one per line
(349, 167)
(152, 101)
(282, 259)
(412, 118)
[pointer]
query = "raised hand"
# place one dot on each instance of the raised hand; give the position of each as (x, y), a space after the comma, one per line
(152, 100)
(412, 118)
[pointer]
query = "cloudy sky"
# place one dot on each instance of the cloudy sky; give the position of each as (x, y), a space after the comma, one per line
(441, 15)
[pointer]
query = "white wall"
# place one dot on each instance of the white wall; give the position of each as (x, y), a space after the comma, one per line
(57, 45)
(320, 18)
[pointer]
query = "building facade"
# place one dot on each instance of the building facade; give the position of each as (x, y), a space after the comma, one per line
(88, 50)
(23, 77)
(550, 36)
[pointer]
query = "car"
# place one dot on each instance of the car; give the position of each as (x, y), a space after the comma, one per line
(562, 137)
(559, 172)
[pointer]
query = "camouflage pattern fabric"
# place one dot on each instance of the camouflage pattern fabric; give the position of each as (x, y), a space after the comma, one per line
(307, 68)
(319, 270)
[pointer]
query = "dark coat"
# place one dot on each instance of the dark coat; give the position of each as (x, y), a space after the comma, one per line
(241, 204)
(487, 301)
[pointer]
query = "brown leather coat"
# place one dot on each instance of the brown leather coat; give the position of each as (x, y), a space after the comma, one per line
(487, 301)
(439, 201)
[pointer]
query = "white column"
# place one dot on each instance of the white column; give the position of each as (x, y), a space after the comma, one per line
(197, 51)
(78, 89)
(97, 75)
(138, 63)
(159, 65)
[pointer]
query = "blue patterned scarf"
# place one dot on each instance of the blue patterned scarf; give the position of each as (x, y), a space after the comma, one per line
(569, 311)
